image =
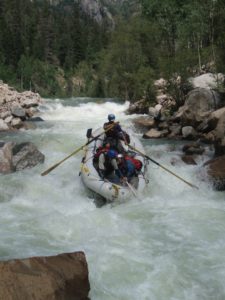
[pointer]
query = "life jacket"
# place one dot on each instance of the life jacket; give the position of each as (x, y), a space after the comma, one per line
(114, 131)
(99, 151)
(137, 163)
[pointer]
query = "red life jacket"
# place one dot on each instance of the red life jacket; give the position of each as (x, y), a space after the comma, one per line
(99, 151)
(137, 163)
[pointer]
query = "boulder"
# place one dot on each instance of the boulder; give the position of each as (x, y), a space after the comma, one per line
(63, 276)
(154, 133)
(26, 155)
(199, 104)
(3, 126)
(208, 80)
(175, 130)
(217, 135)
(18, 111)
(6, 165)
(144, 122)
(193, 148)
(216, 171)
(139, 107)
(188, 159)
(188, 132)
(15, 156)
(16, 123)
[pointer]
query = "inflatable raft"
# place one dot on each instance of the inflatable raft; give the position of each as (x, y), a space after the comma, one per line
(109, 190)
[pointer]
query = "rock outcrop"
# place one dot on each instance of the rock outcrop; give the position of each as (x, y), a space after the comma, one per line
(64, 276)
(16, 108)
(201, 119)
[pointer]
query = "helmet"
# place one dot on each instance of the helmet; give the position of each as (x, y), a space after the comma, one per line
(111, 117)
(120, 155)
(112, 153)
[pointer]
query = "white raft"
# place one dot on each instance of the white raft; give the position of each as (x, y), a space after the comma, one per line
(111, 191)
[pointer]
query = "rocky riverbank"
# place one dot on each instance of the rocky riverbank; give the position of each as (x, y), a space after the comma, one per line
(201, 119)
(16, 108)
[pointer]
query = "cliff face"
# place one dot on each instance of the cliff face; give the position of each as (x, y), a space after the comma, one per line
(104, 10)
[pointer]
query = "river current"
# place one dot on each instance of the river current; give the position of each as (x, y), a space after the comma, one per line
(169, 244)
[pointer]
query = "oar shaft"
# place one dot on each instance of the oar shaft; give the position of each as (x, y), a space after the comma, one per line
(77, 150)
(158, 164)
(131, 188)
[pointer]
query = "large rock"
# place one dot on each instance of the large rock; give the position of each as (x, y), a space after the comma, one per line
(15, 157)
(144, 122)
(61, 277)
(139, 107)
(217, 135)
(208, 80)
(199, 104)
(154, 133)
(18, 111)
(26, 155)
(6, 165)
(216, 172)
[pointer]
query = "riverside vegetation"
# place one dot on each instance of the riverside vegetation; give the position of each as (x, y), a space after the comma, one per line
(56, 48)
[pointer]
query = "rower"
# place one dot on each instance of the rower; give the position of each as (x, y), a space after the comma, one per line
(116, 136)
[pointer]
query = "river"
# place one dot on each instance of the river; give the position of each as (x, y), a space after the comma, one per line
(167, 245)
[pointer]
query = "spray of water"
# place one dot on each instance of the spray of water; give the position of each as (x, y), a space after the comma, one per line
(169, 244)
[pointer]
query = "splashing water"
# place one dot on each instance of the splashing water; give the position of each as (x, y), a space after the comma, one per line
(169, 244)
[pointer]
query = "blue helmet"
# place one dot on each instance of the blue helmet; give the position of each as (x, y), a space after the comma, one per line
(111, 117)
(112, 153)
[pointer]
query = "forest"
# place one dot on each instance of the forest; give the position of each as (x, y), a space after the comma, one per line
(58, 50)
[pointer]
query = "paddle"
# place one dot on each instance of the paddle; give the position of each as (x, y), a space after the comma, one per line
(131, 188)
(158, 164)
(77, 150)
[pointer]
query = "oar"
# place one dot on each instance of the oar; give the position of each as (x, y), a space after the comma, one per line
(132, 189)
(76, 151)
(158, 164)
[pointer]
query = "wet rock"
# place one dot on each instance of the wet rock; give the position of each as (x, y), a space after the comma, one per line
(154, 133)
(198, 106)
(188, 159)
(35, 119)
(216, 172)
(26, 155)
(144, 122)
(193, 148)
(6, 165)
(15, 157)
(17, 123)
(139, 107)
(59, 277)
(18, 111)
(188, 132)
(175, 130)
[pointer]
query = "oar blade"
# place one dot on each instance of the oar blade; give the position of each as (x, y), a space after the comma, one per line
(49, 169)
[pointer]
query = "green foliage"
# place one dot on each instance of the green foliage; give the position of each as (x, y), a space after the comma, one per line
(59, 50)
(126, 64)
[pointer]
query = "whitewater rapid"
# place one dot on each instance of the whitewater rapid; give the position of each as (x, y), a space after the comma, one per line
(167, 245)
